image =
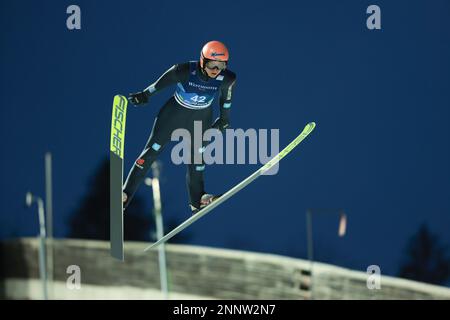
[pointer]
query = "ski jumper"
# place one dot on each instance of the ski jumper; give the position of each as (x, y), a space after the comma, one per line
(192, 100)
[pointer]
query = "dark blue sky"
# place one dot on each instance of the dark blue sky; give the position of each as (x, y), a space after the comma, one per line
(381, 100)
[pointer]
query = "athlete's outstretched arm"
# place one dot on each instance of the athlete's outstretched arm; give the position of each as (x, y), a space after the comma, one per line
(177, 73)
(226, 94)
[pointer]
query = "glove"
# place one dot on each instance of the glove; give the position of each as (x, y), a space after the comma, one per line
(221, 124)
(138, 98)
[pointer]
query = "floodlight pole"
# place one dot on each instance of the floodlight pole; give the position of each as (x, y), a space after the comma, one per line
(30, 199)
(157, 211)
(49, 221)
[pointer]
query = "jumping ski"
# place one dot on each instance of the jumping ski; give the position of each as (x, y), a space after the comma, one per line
(117, 141)
(306, 131)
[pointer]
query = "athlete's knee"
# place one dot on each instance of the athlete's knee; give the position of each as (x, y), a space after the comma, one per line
(196, 159)
(196, 168)
(199, 168)
(155, 147)
(147, 156)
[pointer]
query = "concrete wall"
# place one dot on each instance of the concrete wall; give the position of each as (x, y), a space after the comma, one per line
(194, 273)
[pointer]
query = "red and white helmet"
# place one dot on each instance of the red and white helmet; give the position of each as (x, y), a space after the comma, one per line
(213, 50)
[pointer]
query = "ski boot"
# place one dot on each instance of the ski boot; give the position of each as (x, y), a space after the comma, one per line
(124, 201)
(205, 200)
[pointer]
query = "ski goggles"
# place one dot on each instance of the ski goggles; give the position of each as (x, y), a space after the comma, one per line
(219, 65)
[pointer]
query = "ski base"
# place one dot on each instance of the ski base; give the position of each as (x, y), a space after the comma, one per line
(306, 131)
(116, 175)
